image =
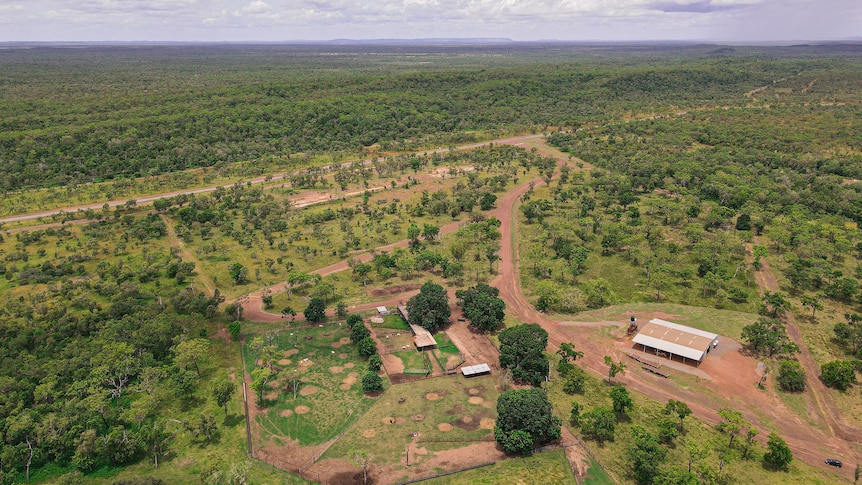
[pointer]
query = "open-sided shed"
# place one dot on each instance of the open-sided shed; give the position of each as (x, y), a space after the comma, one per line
(673, 339)
(475, 370)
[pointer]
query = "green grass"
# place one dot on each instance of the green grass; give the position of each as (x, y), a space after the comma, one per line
(541, 468)
(419, 414)
(596, 475)
(414, 361)
(722, 322)
(331, 407)
(393, 321)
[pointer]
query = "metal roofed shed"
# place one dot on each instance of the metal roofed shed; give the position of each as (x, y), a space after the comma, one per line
(383, 311)
(675, 339)
(475, 370)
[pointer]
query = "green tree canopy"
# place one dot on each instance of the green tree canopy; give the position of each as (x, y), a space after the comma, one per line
(482, 306)
(525, 418)
(599, 424)
(839, 374)
(522, 351)
(430, 308)
(316, 310)
(778, 454)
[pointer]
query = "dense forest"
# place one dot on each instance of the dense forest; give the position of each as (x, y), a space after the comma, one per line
(80, 115)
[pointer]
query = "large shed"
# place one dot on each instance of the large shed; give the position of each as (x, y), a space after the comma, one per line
(673, 339)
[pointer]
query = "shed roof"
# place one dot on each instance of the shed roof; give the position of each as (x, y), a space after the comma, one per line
(422, 337)
(471, 370)
(382, 309)
(676, 339)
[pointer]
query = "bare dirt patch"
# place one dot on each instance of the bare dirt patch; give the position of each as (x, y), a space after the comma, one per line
(473, 391)
(369, 433)
(308, 390)
(391, 420)
(271, 396)
(467, 423)
(302, 409)
(349, 381)
(285, 413)
(288, 353)
(432, 396)
(336, 369)
(341, 342)
(348, 365)
(273, 384)
(444, 427)
(395, 290)
(487, 423)
(475, 400)
(285, 362)
(418, 417)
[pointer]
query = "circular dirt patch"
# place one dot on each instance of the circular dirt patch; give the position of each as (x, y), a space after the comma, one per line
(444, 427)
(344, 356)
(285, 413)
(432, 396)
(473, 391)
(388, 420)
(304, 379)
(288, 353)
(343, 341)
(369, 433)
(467, 419)
(272, 396)
(308, 390)
(336, 369)
(273, 384)
(284, 362)
(486, 423)
(418, 417)
(345, 387)
(302, 409)
(348, 365)
(475, 400)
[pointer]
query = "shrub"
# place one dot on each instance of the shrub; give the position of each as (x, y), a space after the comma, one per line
(791, 376)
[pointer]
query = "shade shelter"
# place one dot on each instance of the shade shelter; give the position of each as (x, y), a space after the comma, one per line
(675, 340)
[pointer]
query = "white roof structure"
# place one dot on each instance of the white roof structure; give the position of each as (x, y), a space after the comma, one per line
(382, 309)
(676, 339)
(472, 370)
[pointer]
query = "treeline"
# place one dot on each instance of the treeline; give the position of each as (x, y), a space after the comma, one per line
(94, 114)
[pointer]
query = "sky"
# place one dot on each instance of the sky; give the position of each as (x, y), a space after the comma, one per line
(520, 20)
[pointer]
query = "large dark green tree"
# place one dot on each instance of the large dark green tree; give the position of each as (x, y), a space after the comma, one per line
(483, 307)
(522, 351)
(525, 418)
(767, 336)
(316, 310)
(430, 308)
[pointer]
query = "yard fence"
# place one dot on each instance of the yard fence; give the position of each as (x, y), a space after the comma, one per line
(436, 475)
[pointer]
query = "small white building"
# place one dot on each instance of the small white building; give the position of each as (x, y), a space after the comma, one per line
(382, 311)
